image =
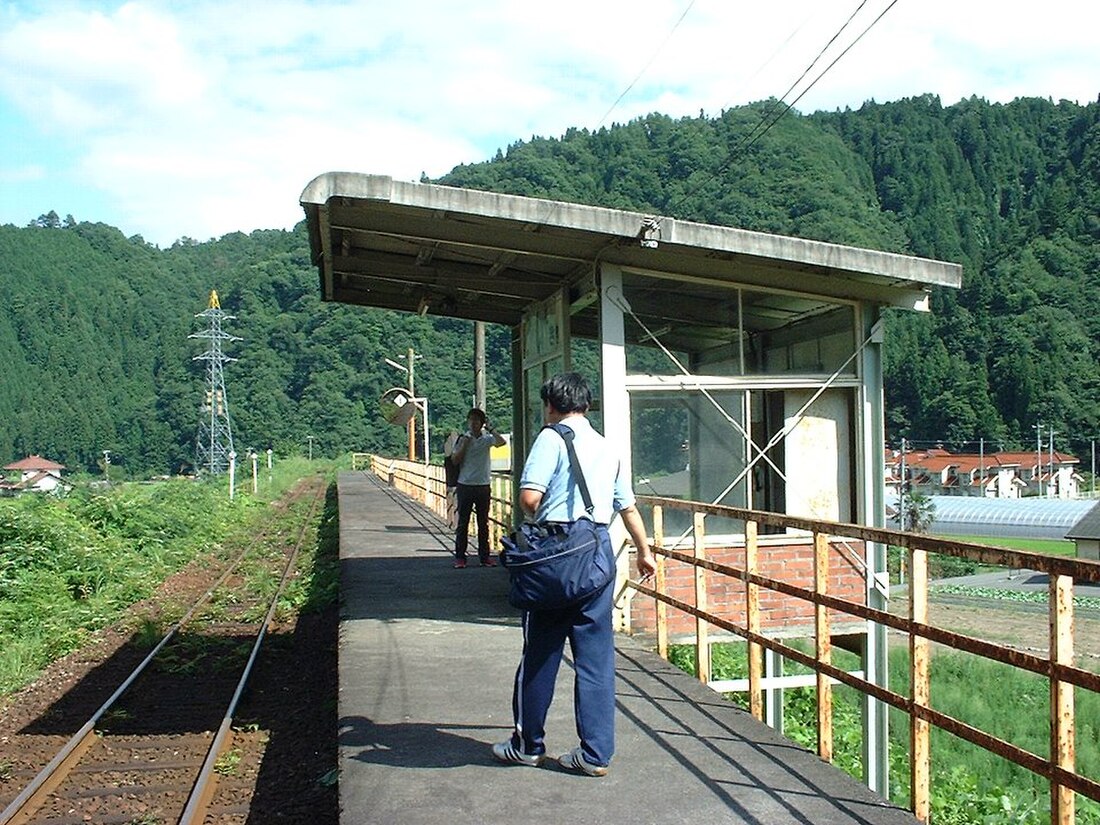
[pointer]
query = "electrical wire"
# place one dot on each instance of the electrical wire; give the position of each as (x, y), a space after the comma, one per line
(554, 204)
(767, 120)
(645, 68)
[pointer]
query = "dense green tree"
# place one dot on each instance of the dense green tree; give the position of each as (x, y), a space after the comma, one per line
(94, 326)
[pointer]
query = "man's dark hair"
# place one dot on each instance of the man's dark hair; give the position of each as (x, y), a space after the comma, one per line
(567, 392)
(478, 414)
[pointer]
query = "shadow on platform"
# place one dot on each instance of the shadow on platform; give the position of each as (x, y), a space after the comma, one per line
(427, 659)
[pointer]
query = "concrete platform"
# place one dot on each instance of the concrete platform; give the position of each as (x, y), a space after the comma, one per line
(427, 657)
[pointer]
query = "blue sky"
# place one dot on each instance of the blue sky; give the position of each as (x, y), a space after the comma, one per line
(193, 118)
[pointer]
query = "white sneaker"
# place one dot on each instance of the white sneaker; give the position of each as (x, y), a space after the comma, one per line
(575, 761)
(507, 752)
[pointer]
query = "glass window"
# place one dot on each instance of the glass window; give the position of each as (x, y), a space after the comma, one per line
(726, 330)
(769, 450)
(687, 445)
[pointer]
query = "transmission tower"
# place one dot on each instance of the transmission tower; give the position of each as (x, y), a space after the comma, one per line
(214, 442)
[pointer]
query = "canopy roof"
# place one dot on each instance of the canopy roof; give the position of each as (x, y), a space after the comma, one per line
(485, 256)
(1088, 526)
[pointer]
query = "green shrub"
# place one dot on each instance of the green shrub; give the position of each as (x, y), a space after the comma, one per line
(969, 784)
(69, 566)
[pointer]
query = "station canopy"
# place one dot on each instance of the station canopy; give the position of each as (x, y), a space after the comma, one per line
(485, 256)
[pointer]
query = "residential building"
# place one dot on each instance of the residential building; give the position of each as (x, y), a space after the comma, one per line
(1086, 535)
(36, 474)
(1001, 474)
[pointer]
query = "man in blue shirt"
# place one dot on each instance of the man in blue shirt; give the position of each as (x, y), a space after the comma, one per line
(471, 454)
(549, 494)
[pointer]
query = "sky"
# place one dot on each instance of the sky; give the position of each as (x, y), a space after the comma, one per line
(192, 119)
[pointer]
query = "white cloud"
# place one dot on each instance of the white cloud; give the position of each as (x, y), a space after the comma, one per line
(89, 70)
(198, 118)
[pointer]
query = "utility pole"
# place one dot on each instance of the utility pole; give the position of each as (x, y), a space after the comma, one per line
(479, 365)
(107, 466)
(1050, 484)
(1038, 427)
(309, 438)
(981, 464)
(901, 489)
(232, 472)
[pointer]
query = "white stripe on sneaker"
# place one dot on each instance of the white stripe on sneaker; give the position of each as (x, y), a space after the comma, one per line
(507, 752)
(575, 761)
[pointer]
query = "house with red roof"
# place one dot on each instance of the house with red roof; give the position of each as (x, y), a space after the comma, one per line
(36, 474)
(937, 472)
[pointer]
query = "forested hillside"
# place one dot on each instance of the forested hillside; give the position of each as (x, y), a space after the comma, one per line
(95, 350)
(1011, 191)
(94, 326)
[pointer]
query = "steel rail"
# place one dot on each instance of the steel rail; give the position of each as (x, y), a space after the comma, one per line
(57, 769)
(197, 803)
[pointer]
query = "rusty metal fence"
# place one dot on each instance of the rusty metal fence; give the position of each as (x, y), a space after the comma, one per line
(828, 610)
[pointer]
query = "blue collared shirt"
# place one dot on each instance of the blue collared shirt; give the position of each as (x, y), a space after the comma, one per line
(547, 471)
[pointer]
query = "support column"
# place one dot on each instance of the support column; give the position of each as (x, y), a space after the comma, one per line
(520, 425)
(615, 404)
(871, 486)
(773, 696)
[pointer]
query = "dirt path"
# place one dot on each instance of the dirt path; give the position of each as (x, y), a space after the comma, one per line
(1021, 626)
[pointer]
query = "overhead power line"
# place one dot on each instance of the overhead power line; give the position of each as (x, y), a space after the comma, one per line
(773, 115)
(649, 63)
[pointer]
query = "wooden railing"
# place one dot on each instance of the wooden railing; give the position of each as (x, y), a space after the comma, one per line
(1058, 667)
(426, 485)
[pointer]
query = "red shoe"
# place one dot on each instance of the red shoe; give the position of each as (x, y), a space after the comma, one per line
(460, 564)
(489, 562)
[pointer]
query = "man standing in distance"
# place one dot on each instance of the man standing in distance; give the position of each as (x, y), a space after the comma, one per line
(549, 495)
(471, 454)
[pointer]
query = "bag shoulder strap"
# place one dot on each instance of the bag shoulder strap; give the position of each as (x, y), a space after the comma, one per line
(574, 464)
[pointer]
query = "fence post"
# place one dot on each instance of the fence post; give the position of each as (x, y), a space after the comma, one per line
(824, 645)
(702, 629)
(919, 752)
(1062, 725)
(660, 608)
(752, 620)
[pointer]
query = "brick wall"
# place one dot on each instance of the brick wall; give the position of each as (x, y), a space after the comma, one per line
(790, 560)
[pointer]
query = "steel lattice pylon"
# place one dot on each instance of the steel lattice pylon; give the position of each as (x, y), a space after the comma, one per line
(214, 441)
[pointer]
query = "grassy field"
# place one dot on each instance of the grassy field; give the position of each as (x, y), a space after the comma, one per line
(1048, 547)
(943, 566)
(69, 566)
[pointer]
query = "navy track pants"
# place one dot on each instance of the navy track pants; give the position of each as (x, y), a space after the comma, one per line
(587, 626)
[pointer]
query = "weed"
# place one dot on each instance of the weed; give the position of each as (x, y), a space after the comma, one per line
(969, 784)
(6, 770)
(227, 763)
(148, 634)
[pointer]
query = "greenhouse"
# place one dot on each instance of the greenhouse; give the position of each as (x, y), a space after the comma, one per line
(1040, 518)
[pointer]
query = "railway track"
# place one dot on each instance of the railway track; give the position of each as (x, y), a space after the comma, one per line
(163, 748)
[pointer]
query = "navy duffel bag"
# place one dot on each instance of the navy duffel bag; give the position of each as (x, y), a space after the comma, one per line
(556, 565)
